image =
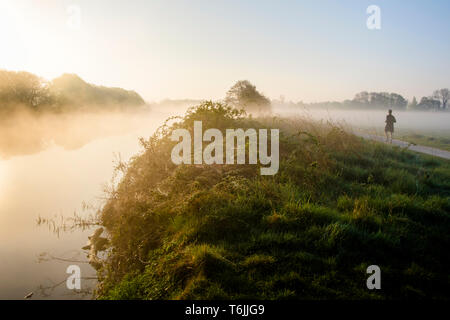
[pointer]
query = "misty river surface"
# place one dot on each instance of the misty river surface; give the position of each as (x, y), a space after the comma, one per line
(56, 181)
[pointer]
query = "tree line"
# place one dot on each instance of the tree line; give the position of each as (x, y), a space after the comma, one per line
(70, 92)
(244, 95)
(66, 93)
(438, 101)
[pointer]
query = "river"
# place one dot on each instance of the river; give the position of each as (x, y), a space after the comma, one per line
(51, 183)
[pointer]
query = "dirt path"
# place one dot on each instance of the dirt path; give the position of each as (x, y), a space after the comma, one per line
(423, 149)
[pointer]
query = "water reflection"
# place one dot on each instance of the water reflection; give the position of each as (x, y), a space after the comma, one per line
(55, 182)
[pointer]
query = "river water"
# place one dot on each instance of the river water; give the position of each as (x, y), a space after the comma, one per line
(52, 183)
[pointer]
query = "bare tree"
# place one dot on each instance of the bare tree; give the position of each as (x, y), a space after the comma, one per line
(442, 95)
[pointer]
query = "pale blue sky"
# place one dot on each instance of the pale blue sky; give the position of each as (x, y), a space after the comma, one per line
(304, 50)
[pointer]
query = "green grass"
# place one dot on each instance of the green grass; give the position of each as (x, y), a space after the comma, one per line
(337, 205)
(440, 140)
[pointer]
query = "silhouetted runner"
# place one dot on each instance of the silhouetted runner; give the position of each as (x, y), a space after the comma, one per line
(389, 129)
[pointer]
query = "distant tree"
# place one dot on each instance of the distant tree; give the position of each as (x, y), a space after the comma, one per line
(442, 95)
(428, 103)
(244, 95)
(378, 100)
(413, 104)
(71, 90)
(23, 88)
(397, 101)
(362, 98)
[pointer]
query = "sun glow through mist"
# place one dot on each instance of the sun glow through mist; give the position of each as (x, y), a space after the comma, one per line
(13, 53)
(182, 49)
(2, 178)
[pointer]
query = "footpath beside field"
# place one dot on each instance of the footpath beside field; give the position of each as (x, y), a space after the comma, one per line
(403, 144)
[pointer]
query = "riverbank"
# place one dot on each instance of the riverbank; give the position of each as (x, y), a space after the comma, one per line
(337, 205)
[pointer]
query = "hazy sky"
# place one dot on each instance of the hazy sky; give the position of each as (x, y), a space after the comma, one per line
(304, 50)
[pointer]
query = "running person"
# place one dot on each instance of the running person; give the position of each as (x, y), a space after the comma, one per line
(389, 129)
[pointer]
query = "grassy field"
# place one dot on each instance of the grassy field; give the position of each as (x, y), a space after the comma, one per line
(440, 140)
(337, 205)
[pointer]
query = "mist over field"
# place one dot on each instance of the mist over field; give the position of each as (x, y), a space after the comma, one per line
(25, 133)
(420, 121)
